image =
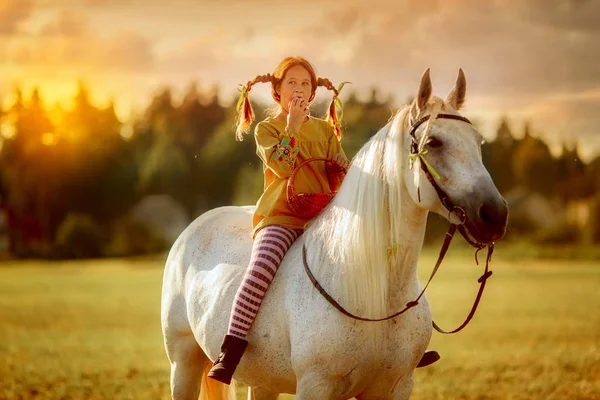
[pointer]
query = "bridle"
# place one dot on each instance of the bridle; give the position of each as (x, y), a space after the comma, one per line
(443, 196)
(452, 208)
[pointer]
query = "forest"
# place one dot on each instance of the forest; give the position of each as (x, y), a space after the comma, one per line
(70, 177)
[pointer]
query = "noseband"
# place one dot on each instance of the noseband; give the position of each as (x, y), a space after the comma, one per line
(452, 208)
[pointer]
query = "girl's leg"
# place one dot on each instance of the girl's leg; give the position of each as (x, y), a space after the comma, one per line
(269, 248)
(270, 245)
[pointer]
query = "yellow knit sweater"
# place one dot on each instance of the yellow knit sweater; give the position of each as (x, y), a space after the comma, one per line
(280, 153)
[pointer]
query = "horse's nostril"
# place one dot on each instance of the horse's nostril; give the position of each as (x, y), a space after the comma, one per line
(490, 214)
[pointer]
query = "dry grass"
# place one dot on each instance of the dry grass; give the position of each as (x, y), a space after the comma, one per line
(91, 330)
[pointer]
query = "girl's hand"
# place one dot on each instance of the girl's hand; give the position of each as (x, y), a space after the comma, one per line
(340, 161)
(297, 113)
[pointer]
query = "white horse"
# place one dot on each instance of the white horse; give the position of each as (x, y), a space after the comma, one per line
(363, 249)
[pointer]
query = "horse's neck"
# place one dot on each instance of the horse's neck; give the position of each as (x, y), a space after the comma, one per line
(403, 277)
(380, 290)
(354, 250)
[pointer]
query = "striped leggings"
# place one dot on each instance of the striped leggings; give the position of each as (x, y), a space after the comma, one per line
(270, 245)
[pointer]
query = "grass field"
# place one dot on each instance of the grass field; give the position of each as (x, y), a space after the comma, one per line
(91, 330)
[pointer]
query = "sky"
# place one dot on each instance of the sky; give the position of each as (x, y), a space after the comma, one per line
(529, 60)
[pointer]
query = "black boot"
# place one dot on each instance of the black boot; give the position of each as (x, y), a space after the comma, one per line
(231, 352)
(428, 358)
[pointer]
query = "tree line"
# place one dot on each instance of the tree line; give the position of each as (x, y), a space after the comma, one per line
(69, 177)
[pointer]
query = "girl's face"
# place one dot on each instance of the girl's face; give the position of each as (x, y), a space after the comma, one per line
(296, 82)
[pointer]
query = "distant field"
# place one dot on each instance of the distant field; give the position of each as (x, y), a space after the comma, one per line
(91, 330)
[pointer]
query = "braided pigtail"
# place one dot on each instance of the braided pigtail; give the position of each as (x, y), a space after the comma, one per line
(332, 116)
(244, 108)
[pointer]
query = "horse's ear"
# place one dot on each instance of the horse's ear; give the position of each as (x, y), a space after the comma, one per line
(424, 91)
(456, 97)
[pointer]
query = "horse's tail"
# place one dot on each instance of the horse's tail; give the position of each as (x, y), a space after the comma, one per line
(211, 389)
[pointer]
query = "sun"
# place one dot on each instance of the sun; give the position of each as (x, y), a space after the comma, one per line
(51, 91)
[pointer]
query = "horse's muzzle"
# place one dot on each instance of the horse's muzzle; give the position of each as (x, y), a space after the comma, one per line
(487, 222)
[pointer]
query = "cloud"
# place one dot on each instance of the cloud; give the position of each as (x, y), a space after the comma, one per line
(67, 42)
(122, 51)
(12, 13)
(128, 50)
(206, 52)
(529, 59)
(66, 23)
(499, 44)
(338, 22)
(570, 15)
(99, 2)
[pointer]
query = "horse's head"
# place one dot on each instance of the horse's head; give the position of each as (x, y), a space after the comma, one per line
(452, 148)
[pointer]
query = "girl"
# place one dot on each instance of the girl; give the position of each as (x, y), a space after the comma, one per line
(282, 142)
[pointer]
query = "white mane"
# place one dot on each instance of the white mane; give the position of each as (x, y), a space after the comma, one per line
(357, 232)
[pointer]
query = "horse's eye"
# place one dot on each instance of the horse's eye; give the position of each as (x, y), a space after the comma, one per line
(434, 142)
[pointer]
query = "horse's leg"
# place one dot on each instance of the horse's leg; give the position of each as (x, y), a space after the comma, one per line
(261, 394)
(187, 365)
(401, 390)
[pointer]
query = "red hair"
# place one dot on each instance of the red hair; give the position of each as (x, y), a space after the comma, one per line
(244, 108)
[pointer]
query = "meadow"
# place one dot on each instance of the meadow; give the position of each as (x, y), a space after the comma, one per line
(91, 330)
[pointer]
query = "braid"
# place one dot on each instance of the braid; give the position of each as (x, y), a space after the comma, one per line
(244, 108)
(327, 84)
(332, 116)
(260, 78)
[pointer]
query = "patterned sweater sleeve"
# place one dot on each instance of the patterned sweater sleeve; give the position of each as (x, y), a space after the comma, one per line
(278, 151)
(335, 175)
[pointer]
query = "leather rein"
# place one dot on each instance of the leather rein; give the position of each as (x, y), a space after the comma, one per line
(452, 208)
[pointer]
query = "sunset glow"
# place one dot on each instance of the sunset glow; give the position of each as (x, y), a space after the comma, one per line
(528, 60)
